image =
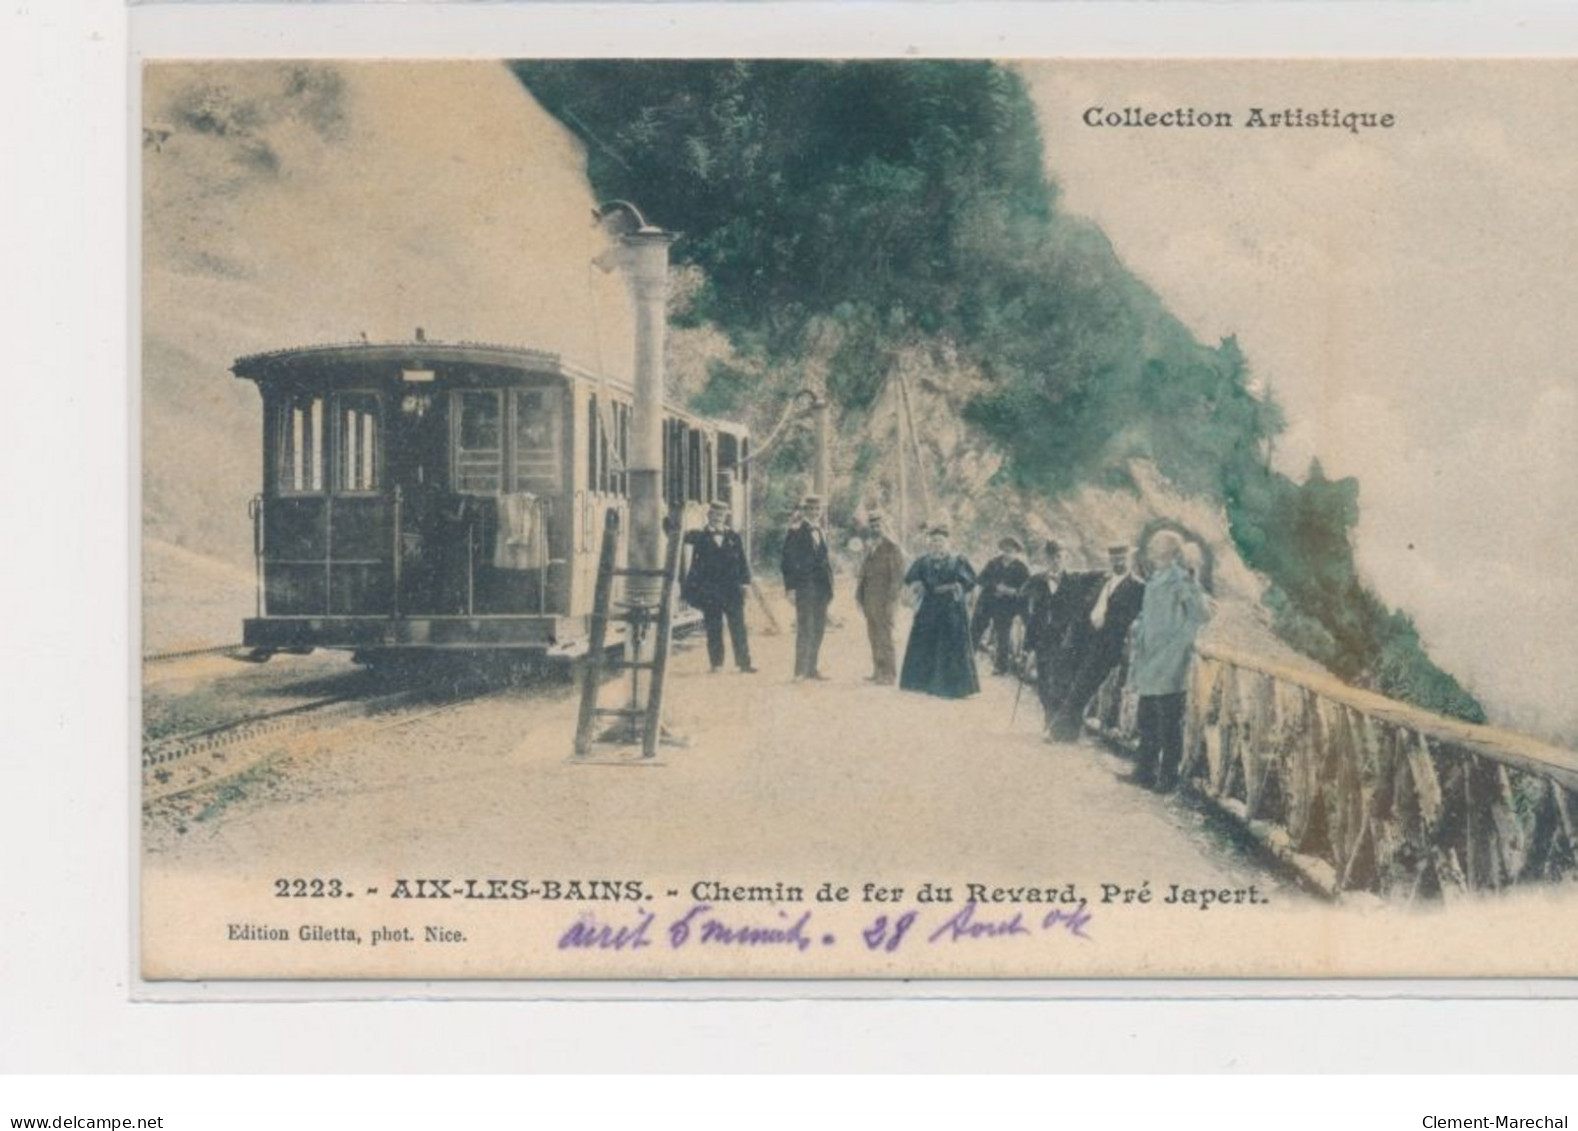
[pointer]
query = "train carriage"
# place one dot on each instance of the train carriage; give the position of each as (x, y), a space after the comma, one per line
(451, 496)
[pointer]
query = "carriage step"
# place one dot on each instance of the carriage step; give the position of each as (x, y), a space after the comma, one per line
(622, 712)
(640, 572)
(628, 665)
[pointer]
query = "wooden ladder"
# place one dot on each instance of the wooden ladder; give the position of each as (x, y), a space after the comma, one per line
(637, 720)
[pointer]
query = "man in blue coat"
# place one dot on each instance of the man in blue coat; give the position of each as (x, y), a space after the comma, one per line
(715, 584)
(1171, 614)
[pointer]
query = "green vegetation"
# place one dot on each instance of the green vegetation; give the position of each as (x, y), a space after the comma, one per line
(843, 212)
(1298, 535)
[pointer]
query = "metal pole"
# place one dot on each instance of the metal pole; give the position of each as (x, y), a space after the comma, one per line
(904, 535)
(822, 472)
(646, 258)
(395, 519)
(920, 467)
(256, 507)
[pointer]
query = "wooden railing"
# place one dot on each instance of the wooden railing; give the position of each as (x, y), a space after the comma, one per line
(1365, 794)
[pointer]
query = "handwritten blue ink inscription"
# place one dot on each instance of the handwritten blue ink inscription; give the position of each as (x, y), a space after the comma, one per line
(702, 926)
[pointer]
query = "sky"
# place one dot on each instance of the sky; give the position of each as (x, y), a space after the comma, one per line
(1409, 294)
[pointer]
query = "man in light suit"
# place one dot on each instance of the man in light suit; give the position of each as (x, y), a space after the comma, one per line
(808, 580)
(877, 594)
(1174, 609)
(715, 584)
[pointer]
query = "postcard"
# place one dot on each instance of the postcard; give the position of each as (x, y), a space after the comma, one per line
(857, 519)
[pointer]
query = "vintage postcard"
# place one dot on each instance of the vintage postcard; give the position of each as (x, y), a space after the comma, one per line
(819, 519)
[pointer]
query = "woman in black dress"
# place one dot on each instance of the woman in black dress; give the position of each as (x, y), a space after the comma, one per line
(938, 659)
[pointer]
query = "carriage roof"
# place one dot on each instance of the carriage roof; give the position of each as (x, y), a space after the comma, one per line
(279, 363)
(274, 363)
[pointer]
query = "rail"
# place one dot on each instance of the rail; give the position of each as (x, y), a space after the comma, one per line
(188, 653)
(1365, 794)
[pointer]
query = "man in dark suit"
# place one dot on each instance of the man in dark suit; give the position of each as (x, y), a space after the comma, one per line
(808, 579)
(1097, 640)
(715, 584)
(999, 602)
(1053, 599)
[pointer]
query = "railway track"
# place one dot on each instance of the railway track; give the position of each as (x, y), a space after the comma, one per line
(173, 748)
(186, 653)
(209, 756)
(209, 750)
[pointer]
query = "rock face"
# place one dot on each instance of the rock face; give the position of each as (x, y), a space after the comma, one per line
(288, 204)
(957, 479)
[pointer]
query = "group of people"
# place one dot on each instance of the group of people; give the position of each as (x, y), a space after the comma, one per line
(1080, 626)
(937, 659)
(1077, 625)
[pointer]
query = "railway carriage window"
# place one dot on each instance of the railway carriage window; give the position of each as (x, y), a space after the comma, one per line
(622, 446)
(605, 467)
(536, 455)
(358, 440)
(693, 466)
(673, 461)
(682, 461)
(668, 464)
(728, 465)
(479, 443)
(301, 444)
(594, 446)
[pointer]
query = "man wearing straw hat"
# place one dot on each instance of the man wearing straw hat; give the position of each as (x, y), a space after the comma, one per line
(808, 579)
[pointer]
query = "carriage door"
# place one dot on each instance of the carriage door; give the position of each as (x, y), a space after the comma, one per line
(417, 459)
(361, 513)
